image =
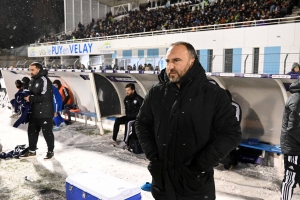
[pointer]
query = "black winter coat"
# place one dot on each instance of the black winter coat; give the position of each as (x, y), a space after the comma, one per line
(132, 105)
(185, 132)
(41, 97)
(290, 130)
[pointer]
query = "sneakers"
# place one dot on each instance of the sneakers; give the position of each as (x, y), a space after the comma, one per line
(49, 155)
(16, 116)
(56, 128)
(114, 143)
(63, 124)
(28, 154)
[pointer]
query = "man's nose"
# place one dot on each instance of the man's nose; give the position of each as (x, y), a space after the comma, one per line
(170, 65)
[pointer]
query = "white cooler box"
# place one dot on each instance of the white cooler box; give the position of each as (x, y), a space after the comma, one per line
(95, 185)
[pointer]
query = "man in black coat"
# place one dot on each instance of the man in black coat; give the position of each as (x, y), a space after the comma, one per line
(132, 103)
(41, 100)
(185, 127)
(290, 142)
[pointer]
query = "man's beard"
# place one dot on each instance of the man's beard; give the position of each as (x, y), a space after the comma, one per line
(175, 79)
(179, 78)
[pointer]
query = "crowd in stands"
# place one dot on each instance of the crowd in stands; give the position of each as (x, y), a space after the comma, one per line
(145, 67)
(167, 16)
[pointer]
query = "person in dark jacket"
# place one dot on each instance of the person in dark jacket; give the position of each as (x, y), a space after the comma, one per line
(132, 103)
(14, 102)
(24, 106)
(41, 99)
(295, 69)
(185, 127)
(290, 142)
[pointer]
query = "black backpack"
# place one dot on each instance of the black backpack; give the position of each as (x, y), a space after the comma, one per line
(133, 142)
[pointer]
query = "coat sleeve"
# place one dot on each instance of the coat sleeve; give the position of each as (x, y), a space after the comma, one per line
(144, 129)
(293, 126)
(228, 134)
(45, 95)
(67, 95)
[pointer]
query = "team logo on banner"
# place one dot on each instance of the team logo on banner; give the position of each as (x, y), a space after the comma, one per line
(107, 45)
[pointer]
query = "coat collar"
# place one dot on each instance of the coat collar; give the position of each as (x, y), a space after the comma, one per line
(196, 71)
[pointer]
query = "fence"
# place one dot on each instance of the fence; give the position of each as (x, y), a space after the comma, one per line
(280, 63)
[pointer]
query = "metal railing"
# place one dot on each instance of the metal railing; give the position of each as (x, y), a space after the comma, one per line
(275, 63)
(267, 22)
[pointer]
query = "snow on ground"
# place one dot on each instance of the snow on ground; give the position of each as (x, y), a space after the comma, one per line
(78, 149)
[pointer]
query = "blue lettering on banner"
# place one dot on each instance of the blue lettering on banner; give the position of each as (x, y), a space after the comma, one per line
(73, 49)
(78, 49)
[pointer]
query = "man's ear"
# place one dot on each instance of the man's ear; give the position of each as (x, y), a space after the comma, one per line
(192, 62)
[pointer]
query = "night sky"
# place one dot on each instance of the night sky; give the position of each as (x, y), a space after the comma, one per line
(24, 21)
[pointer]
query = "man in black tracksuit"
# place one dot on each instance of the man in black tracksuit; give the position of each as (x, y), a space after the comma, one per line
(290, 142)
(41, 100)
(132, 103)
(185, 127)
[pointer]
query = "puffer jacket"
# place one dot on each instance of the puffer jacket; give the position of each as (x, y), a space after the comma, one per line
(185, 131)
(41, 97)
(132, 105)
(290, 130)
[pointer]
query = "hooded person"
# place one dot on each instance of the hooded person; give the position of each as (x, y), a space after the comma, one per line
(290, 142)
(185, 126)
(295, 69)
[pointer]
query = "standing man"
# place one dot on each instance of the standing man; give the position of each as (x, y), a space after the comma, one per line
(185, 127)
(290, 142)
(41, 100)
(67, 96)
(132, 103)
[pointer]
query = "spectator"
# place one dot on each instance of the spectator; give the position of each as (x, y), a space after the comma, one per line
(132, 103)
(178, 16)
(295, 69)
(290, 142)
(179, 133)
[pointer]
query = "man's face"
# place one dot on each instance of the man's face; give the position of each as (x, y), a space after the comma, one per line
(129, 91)
(33, 70)
(55, 85)
(178, 62)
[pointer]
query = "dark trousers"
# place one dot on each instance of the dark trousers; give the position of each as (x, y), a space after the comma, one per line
(118, 122)
(170, 193)
(34, 128)
(67, 109)
(291, 176)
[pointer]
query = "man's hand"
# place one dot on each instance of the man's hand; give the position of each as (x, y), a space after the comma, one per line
(26, 98)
